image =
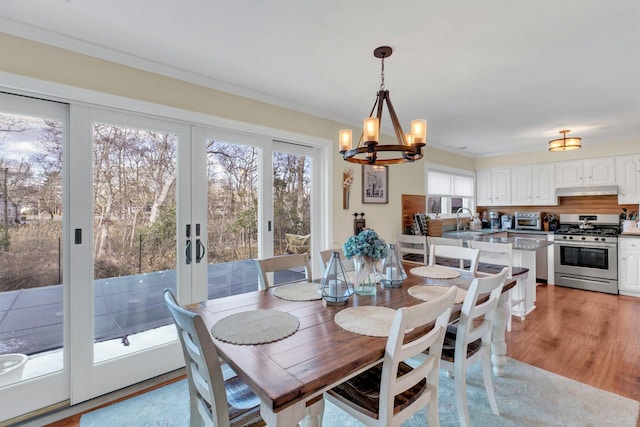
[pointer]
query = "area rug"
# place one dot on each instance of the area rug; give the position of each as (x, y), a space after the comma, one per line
(527, 396)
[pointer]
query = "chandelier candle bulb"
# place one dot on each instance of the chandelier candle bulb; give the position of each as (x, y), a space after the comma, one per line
(346, 138)
(409, 138)
(419, 131)
(371, 129)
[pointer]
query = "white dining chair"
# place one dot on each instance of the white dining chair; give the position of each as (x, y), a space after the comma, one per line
(469, 340)
(446, 241)
(392, 391)
(502, 254)
(463, 254)
(268, 266)
(213, 399)
(407, 244)
(325, 257)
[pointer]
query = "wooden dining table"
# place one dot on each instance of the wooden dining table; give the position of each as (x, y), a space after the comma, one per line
(291, 374)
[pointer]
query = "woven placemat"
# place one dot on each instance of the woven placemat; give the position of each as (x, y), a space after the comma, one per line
(255, 327)
(297, 291)
(366, 320)
(429, 292)
(433, 272)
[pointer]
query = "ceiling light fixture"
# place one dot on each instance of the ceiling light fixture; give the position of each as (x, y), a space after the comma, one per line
(564, 143)
(409, 146)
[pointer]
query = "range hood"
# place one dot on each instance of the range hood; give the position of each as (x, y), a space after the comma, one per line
(600, 190)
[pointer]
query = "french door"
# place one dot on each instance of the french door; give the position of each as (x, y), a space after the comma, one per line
(112, 207)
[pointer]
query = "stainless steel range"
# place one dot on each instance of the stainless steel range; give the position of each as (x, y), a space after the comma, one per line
(586, 252)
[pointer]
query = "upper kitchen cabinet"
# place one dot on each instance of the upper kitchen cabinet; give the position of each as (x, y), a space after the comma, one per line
(579, 173)
(493, 187)
(628, 179)
(533, 185)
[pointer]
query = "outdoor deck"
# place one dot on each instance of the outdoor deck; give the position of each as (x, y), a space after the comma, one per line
(31, 319)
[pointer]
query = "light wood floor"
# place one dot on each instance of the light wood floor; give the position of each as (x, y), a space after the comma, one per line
(591, 337)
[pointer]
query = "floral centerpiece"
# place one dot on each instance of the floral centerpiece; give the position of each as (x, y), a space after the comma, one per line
(368, 249)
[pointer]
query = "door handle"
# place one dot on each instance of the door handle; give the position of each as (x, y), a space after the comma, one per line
(188, 252)
(200, 255)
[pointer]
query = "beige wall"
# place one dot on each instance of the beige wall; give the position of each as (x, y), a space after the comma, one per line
(30, 59)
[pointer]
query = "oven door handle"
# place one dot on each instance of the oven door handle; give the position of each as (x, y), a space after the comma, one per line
(581, 280)
(585, 244)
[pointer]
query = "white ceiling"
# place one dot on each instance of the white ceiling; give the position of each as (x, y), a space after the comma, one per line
(494, 76)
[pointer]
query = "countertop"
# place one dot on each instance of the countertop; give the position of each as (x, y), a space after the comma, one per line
(519, 243)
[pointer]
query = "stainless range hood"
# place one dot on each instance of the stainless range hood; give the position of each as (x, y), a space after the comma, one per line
(600, 190)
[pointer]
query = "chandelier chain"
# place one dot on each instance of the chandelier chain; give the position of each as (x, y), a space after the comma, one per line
(382, 75)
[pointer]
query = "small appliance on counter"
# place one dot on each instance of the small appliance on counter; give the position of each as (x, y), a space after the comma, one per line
(528, 221)
(494, 220)
(507, 222)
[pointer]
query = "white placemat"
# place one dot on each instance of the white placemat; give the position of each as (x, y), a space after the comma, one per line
(306, 291)
(429, 292)
(255, 327)
(366, 320)
(433, 272)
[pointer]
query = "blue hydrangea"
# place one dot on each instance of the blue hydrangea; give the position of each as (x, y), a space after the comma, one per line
(367, 243)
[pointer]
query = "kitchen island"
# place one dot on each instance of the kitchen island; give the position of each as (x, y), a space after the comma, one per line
(524, 255)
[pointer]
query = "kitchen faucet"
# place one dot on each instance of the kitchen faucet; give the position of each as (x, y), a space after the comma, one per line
(458, 216)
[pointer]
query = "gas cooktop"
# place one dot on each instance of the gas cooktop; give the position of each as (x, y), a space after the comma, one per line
(607, 232)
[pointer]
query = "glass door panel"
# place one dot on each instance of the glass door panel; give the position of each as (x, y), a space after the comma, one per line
(32, 292)
(134, 188)
(291, 203)
(232, 214)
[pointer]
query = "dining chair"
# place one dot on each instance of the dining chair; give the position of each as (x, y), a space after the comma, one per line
(214, 399)
(325, 257)
(268, 266)
(407, 244)
(392, 391)
(432, 240)
(469, 340)
(463, 254)
(502, 254)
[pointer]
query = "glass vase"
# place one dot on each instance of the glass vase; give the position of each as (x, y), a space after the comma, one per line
(365, 280)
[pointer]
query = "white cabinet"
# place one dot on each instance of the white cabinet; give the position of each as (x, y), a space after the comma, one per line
(628, 179)
(493, 187)
(578, 173)
(533, 185)
(629, 266)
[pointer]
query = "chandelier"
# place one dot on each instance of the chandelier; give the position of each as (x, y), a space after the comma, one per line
(409, 146)
(564, 143)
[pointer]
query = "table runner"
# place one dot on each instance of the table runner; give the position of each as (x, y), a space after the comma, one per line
(255, 327)
(429, 292)
(433, 272)
(306, 291)
(372, 321)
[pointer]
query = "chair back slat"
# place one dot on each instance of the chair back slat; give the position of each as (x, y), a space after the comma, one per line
(456, 253)
(407, 244)
(280, 263)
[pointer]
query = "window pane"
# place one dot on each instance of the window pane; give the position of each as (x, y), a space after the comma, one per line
(134, 237)
(31, 303)
(434, 205)
(439, 183)
(462, 186)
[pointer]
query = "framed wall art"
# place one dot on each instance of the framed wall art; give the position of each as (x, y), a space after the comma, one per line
(375, 184)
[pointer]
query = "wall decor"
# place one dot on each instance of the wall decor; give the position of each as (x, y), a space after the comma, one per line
(347, 180)
(375, 184)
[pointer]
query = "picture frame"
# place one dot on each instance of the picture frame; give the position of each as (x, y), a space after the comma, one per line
(375, 184)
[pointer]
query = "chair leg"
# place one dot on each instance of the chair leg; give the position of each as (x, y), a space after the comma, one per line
(488, 382)
(523, 291)
(510, 310)
(461, 394)
(433, 417)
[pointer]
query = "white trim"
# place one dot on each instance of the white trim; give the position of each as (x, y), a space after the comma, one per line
(65, 93)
